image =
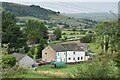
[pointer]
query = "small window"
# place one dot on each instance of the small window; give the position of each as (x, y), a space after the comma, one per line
(69, 58)
(73, 52)
(78, 58)
(64, 53)
(45, 53)
(81, 58)
(58, 54)
(73, 58)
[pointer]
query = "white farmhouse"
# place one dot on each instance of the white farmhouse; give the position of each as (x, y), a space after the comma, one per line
(72, 52)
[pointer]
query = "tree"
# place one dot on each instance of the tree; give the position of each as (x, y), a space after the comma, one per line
(57, 32)
(40, 47)
(11, 33)
(107, 34)
(36, 33)
(87, 38)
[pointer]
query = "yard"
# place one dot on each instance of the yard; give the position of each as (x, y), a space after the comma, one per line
(47, 71)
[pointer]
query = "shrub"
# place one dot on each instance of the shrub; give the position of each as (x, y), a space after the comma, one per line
(64, 33)
(97, 69)
(8, 61)
(11, 73)
(87, 39)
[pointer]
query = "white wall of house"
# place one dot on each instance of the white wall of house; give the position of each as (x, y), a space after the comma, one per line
(72, 56)
(75, 56)
(26, 62)
(60, 56)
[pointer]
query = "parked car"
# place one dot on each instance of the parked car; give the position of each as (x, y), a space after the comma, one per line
(40, 62)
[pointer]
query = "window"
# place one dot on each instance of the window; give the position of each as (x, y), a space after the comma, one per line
(78, 58)
(64, 53)
(58, 54)
(69, 58)
(45, 53)
(81, 58)
(73, 58)
(73, 52)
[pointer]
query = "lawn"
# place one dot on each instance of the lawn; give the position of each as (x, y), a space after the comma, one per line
(94, 47)
(69, 68)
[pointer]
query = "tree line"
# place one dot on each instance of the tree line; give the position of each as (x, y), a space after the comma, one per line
(19, 40)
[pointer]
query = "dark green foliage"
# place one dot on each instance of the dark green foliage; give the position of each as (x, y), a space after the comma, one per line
(74, 29)
(35, 31)
(32, 10)
(11, 33)
(40, 48)
(30, 53)
(8, 61)
(36, 34)
(106, 32)
(57, 33)
(87, 39)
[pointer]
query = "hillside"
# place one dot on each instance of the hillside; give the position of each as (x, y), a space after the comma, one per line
(92, 16)
(25, 10)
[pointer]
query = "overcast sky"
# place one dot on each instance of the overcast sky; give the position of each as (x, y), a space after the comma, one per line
(73, 6)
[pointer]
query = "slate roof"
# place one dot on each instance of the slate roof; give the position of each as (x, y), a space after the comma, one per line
(58, 47)
(19, 56)
(68, 47)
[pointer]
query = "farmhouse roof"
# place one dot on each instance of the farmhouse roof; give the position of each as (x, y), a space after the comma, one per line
(68, 47)
(19, 56)
(58, 47)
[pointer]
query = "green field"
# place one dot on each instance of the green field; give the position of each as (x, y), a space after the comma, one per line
(69, 34)
(64, 19)
(67, 69)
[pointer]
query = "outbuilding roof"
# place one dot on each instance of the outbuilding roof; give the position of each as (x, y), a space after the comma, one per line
(19, 56)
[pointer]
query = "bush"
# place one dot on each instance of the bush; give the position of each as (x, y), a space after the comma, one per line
(11, 73)
(87, 39)
(97, 69)
(64, 33)
(8, 61)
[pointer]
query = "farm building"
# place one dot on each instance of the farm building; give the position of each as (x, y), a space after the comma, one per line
(72, 52)
(23, 60)
(51, 37)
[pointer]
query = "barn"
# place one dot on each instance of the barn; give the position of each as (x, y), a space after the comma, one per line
(23, 60)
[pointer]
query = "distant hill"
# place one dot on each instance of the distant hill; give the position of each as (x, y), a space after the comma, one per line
(25, 10)
(93, 16)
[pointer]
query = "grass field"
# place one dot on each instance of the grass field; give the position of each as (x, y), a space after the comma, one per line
(64, 19)
(94, 47)
(69, 34)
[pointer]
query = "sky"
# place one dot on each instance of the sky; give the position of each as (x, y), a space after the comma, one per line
(73, 6)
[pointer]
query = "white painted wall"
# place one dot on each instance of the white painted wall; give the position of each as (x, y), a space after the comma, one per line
(61, 56)
(71, 55)
(26, 62)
